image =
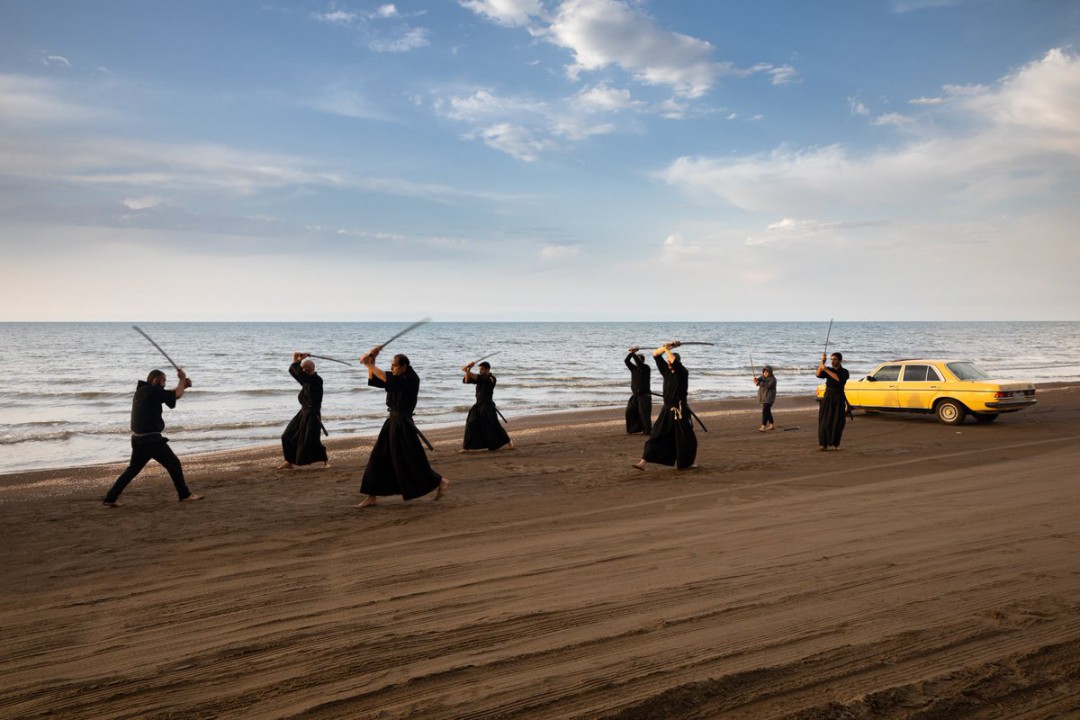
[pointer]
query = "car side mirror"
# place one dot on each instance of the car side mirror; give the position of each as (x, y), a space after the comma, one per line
(870, 378)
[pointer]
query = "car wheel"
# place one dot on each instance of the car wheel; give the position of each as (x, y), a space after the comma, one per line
(950, 412)
(985, 417)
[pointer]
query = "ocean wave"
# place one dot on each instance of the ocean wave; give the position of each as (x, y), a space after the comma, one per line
(32, 437)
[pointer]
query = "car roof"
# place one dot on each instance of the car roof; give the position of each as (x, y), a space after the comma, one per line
(923, 360)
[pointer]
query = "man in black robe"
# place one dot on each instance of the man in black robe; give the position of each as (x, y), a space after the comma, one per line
(639, 406)
(301, 443)
(147, 442)
(672, 440)
(398, 465)
(483, 431)
(832, 412)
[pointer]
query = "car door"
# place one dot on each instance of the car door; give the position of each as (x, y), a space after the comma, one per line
(879, 389)
(918, 386)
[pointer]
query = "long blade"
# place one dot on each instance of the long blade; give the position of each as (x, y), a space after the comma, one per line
(827, 336)
(324, 357)
(752, 366)
(491, 354)
(412, 327)
(139, 330)
(696, 342)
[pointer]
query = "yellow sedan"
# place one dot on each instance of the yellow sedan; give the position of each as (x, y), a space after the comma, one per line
(951, 389)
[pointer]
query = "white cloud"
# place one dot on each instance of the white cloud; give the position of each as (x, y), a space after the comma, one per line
(410, 39)
(676, 248)
(343, 101)
(28, 99)
(559, 252)
(857, 107)
(1043, 95)
(56, 60)
(525, 128)
(386, 11)
(143, 203)
(1018, 140)
(601, 33)
(927, 101)
(892, 119)
(514, 140)
(783, 75)
(604, 98)
(511, 13)
(336, 17)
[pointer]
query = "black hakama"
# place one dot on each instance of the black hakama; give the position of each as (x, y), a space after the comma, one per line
(832, 412)
(639, 406)
(672, 441)
(398, 464)
(483, 431)
(301, 443)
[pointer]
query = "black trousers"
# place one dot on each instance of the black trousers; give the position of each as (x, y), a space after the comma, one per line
(143, 450)
(766, 414)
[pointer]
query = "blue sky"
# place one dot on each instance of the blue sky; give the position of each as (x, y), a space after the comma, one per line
(539, 160)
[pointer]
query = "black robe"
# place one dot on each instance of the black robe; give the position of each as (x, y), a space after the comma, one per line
(639, 406)
(482, 427)
(832, 412)
(672, 441)
(301, 443)
(398, 464)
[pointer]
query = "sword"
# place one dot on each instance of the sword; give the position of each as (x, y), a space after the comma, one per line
(412, 327)
(139, 330)
(491, 354)
(827, 336)
(324, 357)
(502, 416)
(422, 437)
(694, 415)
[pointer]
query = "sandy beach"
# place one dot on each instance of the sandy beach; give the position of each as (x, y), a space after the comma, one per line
(924, 571)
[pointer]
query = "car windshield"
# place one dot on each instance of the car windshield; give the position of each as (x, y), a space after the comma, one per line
(966, 371)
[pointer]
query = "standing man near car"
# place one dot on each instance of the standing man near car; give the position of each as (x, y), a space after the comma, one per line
(832, 412)
(147, 442)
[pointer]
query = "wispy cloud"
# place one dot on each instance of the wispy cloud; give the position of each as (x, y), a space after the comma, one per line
(397, 37)
(525, 128)
(56, 60)
(30, 99)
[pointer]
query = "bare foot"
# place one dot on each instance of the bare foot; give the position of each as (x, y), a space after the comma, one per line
(284, 466)
(769, 427)
(443, 484)
(366, 502)
(326, 464)
(191, 498)
(510, 446)
(110, 503)
(639, 465)
(823, 448)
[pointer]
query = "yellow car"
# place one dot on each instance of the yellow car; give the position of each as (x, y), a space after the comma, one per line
(951, 389)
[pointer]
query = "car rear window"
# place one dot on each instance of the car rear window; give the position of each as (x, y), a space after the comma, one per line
(915, 373)
(966, 371)
(888, 373)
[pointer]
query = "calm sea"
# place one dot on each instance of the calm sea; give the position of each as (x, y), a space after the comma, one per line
(65, 388)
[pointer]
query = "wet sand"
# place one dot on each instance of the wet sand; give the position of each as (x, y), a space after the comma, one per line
(924, 571)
